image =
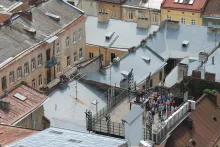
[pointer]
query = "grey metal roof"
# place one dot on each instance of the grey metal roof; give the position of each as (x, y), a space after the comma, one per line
(14, 40)
(141, 68)
(135, 112)
(55, 137)
(168, 42)
(129, 34)
(7, 3)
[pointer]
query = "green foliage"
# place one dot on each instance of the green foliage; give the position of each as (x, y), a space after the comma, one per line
(209, 91)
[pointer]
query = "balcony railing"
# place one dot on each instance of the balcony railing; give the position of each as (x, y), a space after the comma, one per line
(51, 63)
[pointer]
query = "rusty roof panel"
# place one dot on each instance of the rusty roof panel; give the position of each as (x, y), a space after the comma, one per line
(20, 108)
(205, 130)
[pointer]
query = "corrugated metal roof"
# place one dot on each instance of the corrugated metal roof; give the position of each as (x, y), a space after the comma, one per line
(205, 129)
(9, 134)
(55, 137)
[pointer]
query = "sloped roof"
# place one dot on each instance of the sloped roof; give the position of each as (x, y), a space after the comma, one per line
(20, 108)
(9, 134)
(205, 129)
(212, 8)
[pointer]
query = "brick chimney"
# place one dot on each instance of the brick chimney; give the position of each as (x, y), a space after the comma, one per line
(210, 76)
(27, 15)
(196, 74)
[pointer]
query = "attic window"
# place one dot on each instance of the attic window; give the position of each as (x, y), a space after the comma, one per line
(29, 30)
(109, 35)
(54, 17)
(185, 43)
(145, 59)
(20, 97)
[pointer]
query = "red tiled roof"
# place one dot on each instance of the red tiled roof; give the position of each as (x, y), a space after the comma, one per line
(212, 8)
(9, 134)
(205, 130)
(20, 108)
(195, 7)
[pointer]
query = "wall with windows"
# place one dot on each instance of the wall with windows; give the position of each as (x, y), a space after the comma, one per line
(93, 50)
(183, 17)
(113, 10)
(31, 67)
(132, 14)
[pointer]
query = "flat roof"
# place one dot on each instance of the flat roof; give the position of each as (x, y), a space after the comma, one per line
(55, 137)
(9, 134)
(14, 40)
(168, 40)
(196, 6)
(141, 68)
(128, 35)
(19, 107)
(151, 4)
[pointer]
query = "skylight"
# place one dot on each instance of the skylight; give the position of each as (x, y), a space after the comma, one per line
(20, 97)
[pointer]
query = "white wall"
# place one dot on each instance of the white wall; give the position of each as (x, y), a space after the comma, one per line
(89, 6)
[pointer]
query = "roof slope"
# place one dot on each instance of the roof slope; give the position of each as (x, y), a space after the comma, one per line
(9, 134)
(128, 35)
(7, 3)
(20, 108)
(197, 5)
(54, 137)
(212, 9)
(205, 129)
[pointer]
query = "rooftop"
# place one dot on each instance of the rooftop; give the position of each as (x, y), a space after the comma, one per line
(136, 61)
(212, 9)
(27, 101)
(184, 5)
(152, 4)
(7, 3)
(171, 39)
(205, 129)
(128, 35)
(61, 137)
(14, 39)
(9, 134)
(112, 1)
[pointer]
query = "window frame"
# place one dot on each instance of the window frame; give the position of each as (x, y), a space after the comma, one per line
(130, 15)
(75, 57)
(193, 22)
(80, 53)
(33, 64)
(68, 63)
(40, 60)
(33, 82)
(67, 42)
(40, 80)
(58, 67)
(91, 55)
(182, 20)
(57, 48)
(74, 38)
(26, 69)
(11, 77)
(80, 34)
(4, 81)
(19, 72)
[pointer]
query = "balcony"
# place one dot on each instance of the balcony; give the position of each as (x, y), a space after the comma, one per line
(51, 63)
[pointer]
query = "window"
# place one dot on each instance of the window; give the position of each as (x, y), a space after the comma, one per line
(39, 58)
(33, 64)
(169, 18)
(143, 87)
(67, 41)
(113, 14)
(33, 83)
(68, 61)
(91, 55)
(130, 15)
(80, 53)
(151, 82)
(80, 34)
(141, 15)
(154, 18)
(161, 76)
(182, 20)
(58, 67)
(26, 69)
(102, 11)
(74, 37)
(102, 57)
(19, 72)
(4, 84)
(193, 22)
(11, 77)
(58, 47)
(75, 56)
(40, 80)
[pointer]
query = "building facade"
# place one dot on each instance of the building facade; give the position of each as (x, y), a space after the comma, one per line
(183, 11)
(47, 59)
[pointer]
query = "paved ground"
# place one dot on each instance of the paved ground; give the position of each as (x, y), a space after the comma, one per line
(65, 111)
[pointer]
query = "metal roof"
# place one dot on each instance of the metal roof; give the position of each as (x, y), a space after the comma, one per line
(168, 40)
(141, 68)
(152, 4)
(133, 114)
(55, 137)
(128, 35)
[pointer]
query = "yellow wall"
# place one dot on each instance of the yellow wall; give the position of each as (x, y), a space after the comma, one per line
(177, 15)
(110, 8)
(105, 51)
(137, 12)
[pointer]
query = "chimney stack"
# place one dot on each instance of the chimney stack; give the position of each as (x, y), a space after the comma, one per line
(27, 15)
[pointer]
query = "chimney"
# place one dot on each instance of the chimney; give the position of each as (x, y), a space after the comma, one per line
(196, 74)
(103, 17)
(27, 15)
(143, 23)
(173, 24)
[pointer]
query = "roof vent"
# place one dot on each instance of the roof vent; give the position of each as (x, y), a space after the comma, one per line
(54, 17)
(32, 31)
(20, 97)
(116, 60)
(5, 105)
(185, 43)
(109, 35)
(146, 59)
